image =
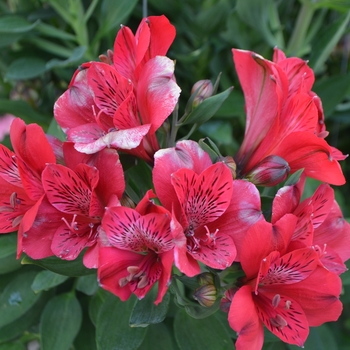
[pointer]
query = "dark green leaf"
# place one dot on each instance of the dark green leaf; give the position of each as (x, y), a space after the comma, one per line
(17, 298)
(60, 322)
(96, 303)
(145, 312)
(87, 284)
(294, 178)
(45, 280)
(23, 110)
(8, 244)
(20, 325)
(326, 41)
(25, 68)
(15, 24)
(77, 56)
(158, 337)
(55, 130)
(112, 329)
(74, 268)
(205, 110)
(206, 333)
(9, 263)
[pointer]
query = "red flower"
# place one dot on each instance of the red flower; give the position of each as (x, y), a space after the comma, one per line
(287, 291)
(283, 118)
(121, 105)
(320, 223)
(20, 177)
(76, 196)
(139, 251)
(207, 203)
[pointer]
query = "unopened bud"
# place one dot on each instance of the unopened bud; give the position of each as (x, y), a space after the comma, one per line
(270, 171)
(205, 295)
(108, 59)
(230, 163)
(202, 89)
(205, 278)
(225, 302)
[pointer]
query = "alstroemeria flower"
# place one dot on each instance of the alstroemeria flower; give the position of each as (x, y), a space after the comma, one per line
(20, 175)
(283, 119)
(320, 223)
(140, 249)
(286, 291)
(214, 210)
(76, 195)
(106, 106)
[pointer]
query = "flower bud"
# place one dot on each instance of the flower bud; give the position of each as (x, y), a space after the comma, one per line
(202, 89)
(205, 295)
(269, 172)
(225, 302)
(205, 278)
(230, 163)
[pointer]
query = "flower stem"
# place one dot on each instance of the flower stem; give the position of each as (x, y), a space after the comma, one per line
(297, 39)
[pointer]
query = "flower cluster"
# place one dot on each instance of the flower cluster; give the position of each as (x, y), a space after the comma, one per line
(203, 213)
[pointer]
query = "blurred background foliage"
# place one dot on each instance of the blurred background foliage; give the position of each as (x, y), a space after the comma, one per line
(42, 42)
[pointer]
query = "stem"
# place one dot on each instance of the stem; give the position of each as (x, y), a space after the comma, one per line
(300, 29)
(174, 127)
(144, 8)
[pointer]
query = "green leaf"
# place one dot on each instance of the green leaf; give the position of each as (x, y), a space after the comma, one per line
(326, 41)
(8, 244)
(51, 31)
(22, 110)
(15, 24)
(332, 91)
(206, 333)
(96, 303)
(9, 264)
(74, 268)
(338, 5)
(87, 284)
(113, 13)
(46, 280)
(60, 322)
(76, 56)
(25, 68)
(22, 324)
(158, 337)
(145, 312)
(17, 298)
(206, 109)
(294, 178)
(55, 130)
(112, 329)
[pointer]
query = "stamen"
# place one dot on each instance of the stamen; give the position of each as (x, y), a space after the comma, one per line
(211, 236)
(278, 321)
(276, 300)
(288, 304)
(143, 282)
(73, 226)
(14, 201)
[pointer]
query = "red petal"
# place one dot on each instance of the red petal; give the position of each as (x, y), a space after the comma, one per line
(263, 97)
(31, 145)
(305, 150)
(8, 167)
(218, 255)
(244, 319)
(157, 92)
(109, 87)
(286, 320)
(67, 191)
(203, 197)
(167, 260)
(76, 106)
(187, 154)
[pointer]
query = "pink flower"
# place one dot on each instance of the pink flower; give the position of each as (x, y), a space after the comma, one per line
(283, 118)
(286, 291)
(214, 210)
(139, 250)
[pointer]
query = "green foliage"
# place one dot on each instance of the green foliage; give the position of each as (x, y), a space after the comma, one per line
(59, 303)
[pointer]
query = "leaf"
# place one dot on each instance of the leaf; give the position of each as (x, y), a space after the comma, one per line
(17, 298)
(332, 91)
(113, 13)
(87, 284)
(25, 68)
(205, 110)
(96, 303)
(51, 31)
(294, 178)
(46, 280)
(9, 264)
(22, 110)
(206, 333)
(76, 56)
(60, 322)
(55, 130)
(74, 268)
(145, 312)
(22, 324)
(15, 24)
(112, 328)
(326, 41)
(8, 244)
(158, 337)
